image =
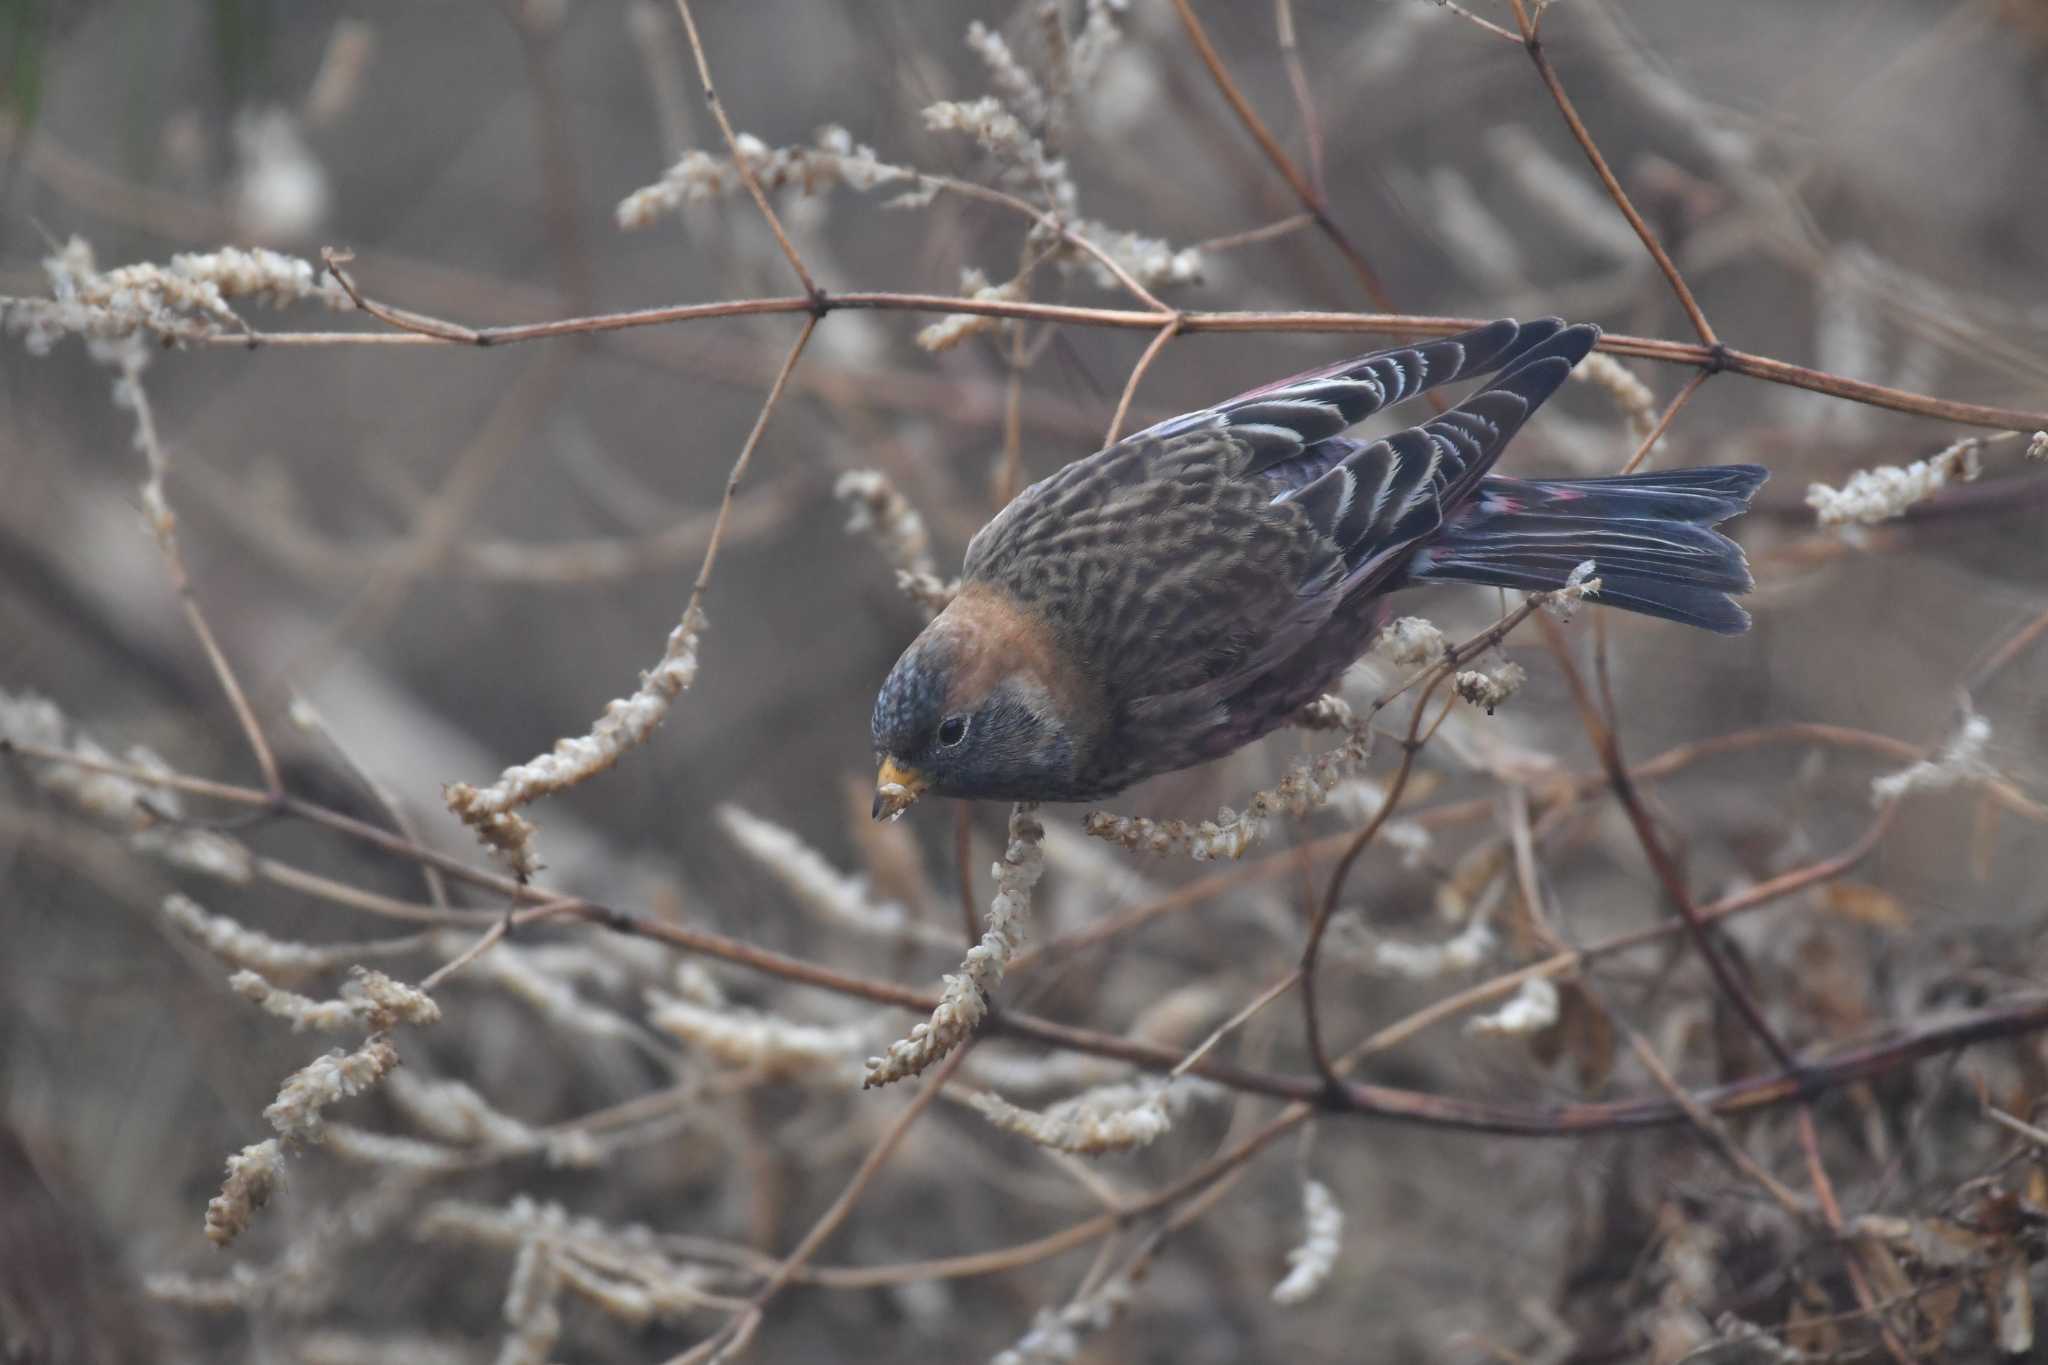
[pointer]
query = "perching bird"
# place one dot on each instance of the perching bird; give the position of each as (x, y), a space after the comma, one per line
(1183, 592)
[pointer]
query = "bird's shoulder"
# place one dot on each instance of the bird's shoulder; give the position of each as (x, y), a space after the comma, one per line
(1146, 486)
(1157, 563)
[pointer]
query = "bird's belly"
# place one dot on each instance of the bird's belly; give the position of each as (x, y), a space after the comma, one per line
(1154, 738)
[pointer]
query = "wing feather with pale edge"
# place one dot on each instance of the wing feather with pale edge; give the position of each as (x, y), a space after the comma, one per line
(1191, 556)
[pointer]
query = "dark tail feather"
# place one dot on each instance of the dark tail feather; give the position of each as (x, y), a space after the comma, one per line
(1650, 537)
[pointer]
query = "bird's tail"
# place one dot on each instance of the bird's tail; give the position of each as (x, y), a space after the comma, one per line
(1650, 537)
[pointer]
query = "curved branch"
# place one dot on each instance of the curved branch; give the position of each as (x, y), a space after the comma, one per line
(426, 331)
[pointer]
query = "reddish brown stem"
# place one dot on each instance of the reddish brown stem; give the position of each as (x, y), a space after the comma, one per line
(1607, 745)
(1533, 45)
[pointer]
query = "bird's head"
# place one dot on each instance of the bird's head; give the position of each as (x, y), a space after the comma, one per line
(980, 705)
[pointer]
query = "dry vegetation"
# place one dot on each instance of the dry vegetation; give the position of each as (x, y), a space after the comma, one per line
(1573, 988)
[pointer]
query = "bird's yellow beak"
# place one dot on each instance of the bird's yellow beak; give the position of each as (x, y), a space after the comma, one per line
(896, 789)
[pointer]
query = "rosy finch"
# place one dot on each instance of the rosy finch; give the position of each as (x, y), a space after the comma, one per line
(1178, 595)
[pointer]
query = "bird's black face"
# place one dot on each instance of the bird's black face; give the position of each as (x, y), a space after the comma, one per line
(1008, 744)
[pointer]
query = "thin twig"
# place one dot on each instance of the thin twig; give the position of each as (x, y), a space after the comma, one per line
(1713, 359)
(1831, 1212)
(1533, 45)
(1123, 404)
(308, 718)
(188, 600)
(746, 172)
(1485, 25)
(1052, 222)
(1411, 746)
(1280, 227)
(1671, 411)
(408, 322)
(484, 943)
(1304, 188)
(739, 466)
(742, 1330)
(1237, 1021)
(1607, 746)
(1304, 102)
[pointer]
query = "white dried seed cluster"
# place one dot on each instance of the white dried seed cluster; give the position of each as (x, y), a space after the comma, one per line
(1490, 689)
(1638, 406)
(927, 590)
(282, 191)
(526, 977)
(1579, 584)
(296, 1112)
(1057, 1334)
(369, 1000)
(622, 1270)
(303, 1011)
(1327, 712)
(964, 998)
(1306, 787)
(1961, 760)
(776, 1047)
(834, 159)
(1875, 495)
(1012, 80)
(394, 1150)
(1108, 1118)
(1411, 642)
(455, 1113)
(146, 812)
(181, 301)
(954, 328)
(626, 723)
(822, 887)
(1322, 1242)
(1152, 261)
(253, 1176)
(1428, 961)
(1531, 1009)
(1021, 153)
(882, 513)
(234, 942)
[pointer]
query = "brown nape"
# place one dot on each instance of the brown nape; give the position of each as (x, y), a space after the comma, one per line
(995, 637)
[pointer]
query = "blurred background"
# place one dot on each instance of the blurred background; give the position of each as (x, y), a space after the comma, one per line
(456, 555)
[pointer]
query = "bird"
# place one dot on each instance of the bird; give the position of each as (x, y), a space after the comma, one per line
(1184, 591)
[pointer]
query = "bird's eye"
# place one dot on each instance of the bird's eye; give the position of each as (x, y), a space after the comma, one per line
(952, 730)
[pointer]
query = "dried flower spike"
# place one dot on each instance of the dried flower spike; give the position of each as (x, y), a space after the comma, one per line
(1961, 760)
(834, 159)
(1108, 1118)
(1874, 495)
(625, 723)
(1306, 787)
(954, 328)
(1531, 1009)
(965, 997)
(1490, 689)
(296, 1112)
(1322, 1242)
(1427, 961)
(253, 1176)
(1411, 642)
